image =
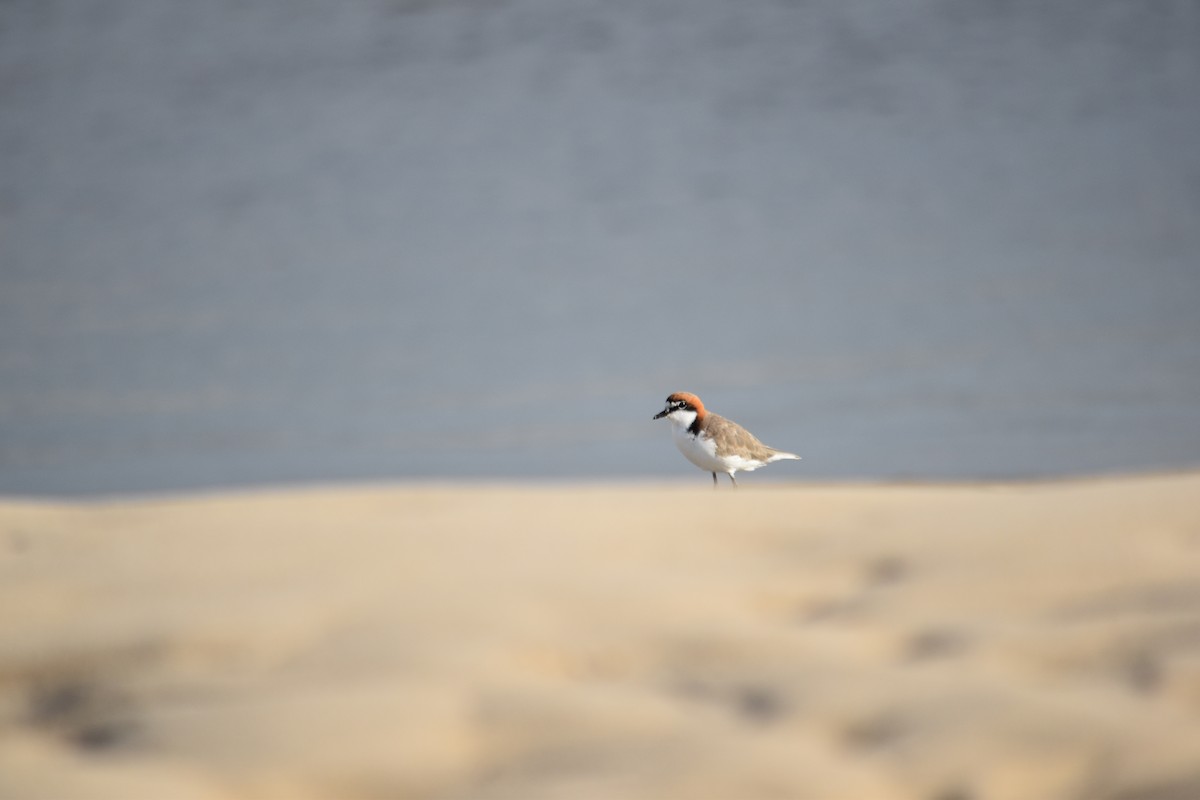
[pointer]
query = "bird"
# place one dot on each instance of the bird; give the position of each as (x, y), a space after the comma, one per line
(713, 443)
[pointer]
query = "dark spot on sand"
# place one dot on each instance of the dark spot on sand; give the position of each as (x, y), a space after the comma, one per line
(875, 732)
(831, 609)
(54, 702)
(754, 703)
(1182, 788)
(103, 735)
(934, 643)
(760, 704)
(953, 793)
(1143, 672)
(886, 570)
(83, 713)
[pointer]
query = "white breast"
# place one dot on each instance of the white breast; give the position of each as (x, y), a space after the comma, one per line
(700, 450)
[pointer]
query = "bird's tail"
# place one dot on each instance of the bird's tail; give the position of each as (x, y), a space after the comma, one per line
(779, 455)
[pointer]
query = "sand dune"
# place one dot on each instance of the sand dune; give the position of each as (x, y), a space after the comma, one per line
(607, 642)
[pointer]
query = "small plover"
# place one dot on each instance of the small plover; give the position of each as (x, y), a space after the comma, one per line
(713, 443)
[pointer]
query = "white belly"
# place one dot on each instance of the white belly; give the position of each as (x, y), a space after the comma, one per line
(699, 450)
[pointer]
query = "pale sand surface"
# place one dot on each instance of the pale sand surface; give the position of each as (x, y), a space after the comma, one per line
(607, 642)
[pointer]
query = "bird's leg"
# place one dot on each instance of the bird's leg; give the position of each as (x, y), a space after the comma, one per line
(732, 479)
(714, 480)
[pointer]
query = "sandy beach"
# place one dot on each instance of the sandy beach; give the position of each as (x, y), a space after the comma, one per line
(999, 642)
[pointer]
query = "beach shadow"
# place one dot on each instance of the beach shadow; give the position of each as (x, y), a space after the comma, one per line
(935, 643)
(886, 570)
(85, 714)
(875, 732)
(880, 573)
(752, 703)
(1183, 788)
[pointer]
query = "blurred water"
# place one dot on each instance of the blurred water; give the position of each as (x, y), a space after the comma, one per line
(292, 241)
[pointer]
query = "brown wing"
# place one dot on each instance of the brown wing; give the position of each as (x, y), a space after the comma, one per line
(733, 437)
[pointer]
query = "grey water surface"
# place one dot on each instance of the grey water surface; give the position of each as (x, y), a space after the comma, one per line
(294, 241)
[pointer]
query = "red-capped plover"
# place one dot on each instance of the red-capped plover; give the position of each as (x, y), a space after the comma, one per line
(713, 443)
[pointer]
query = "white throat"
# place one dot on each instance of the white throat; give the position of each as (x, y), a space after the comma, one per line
(682, 418)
